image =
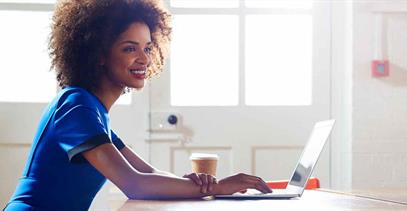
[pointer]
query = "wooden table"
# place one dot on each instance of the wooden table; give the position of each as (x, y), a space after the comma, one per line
(394, 194)
(323, 200)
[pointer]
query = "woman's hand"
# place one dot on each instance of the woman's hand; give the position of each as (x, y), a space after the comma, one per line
(206, 181)
(241, 182)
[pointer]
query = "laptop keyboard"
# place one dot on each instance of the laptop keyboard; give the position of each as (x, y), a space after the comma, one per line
(256, 192)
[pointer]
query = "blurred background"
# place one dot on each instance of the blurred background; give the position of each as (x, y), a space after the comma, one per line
(247, 80)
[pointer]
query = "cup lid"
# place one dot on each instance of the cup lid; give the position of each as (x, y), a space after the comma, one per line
(203, 156)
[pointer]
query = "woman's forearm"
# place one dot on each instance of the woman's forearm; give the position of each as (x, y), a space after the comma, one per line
(164, 173)
(157, 186)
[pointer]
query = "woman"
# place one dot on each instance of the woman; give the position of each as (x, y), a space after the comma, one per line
(101, 49)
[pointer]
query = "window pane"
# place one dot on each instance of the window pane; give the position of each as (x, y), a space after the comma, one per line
(25, 64)
(291, 4)
(205, 3)
(278, 60)
(204, 60)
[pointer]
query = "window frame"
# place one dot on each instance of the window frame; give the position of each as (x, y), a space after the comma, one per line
(241, 11)
(23, 6)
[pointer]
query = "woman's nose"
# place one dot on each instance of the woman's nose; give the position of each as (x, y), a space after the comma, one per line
(143, 58)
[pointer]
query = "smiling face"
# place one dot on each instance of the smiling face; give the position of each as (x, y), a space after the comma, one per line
(128, 58)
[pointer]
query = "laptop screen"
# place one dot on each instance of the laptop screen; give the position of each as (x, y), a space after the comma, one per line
(311, 152)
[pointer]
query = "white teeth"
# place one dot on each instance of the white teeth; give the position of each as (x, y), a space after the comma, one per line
(138, 71)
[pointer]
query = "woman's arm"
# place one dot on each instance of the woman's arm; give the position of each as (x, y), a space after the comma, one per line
(137, 185)
(141, 165)
(205, 181)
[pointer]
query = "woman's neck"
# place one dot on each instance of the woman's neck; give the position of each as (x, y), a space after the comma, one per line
(108, 93)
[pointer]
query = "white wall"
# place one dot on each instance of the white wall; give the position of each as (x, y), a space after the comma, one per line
(17, 127)
(341, 97)
(379, 104)
(13, 158)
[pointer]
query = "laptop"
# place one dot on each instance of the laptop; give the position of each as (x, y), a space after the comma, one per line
(302, 172)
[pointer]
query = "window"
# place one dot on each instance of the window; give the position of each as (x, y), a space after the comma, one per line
(25, 67)
(253, 52)
(278, 60)
(25, 74)
(204, 64)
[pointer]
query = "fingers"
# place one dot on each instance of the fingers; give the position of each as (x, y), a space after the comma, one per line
(206, 181)
(194, 177)
(204, 186)
(255, 183)
(260, 184)
(211, 181)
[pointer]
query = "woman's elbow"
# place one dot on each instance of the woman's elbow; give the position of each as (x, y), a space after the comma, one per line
(132, 195)
(140, 196)
(138, 192)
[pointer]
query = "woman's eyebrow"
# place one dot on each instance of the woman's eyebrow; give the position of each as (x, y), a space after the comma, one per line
(134, 42)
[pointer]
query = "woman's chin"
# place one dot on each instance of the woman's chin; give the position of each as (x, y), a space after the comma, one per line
(138, 86)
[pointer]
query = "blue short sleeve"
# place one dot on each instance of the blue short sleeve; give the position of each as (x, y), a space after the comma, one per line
(117, 141)
(80, 129)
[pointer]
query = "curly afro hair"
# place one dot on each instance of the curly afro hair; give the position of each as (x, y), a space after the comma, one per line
(83, 31)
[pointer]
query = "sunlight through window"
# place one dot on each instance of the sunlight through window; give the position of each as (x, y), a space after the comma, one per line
(278, 60)
(204, 60)
(25, 64)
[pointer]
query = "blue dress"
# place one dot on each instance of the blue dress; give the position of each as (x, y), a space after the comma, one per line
(57, 176)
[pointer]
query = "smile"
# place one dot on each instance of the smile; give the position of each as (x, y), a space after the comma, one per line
(138, 71)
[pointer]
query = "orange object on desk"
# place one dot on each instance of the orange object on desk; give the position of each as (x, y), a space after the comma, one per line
(312, 183)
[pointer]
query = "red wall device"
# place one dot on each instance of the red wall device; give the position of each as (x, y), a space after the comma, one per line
(380, 68)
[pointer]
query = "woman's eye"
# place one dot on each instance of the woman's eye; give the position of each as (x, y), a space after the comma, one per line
(147, 50)
(129, 49)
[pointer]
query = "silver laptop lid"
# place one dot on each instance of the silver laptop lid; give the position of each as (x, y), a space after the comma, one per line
(310, 155)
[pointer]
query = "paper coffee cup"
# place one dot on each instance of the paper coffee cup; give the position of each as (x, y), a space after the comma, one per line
(204, 163)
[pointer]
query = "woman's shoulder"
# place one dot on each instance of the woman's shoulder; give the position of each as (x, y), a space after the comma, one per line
(76, 95)
(72, 97)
